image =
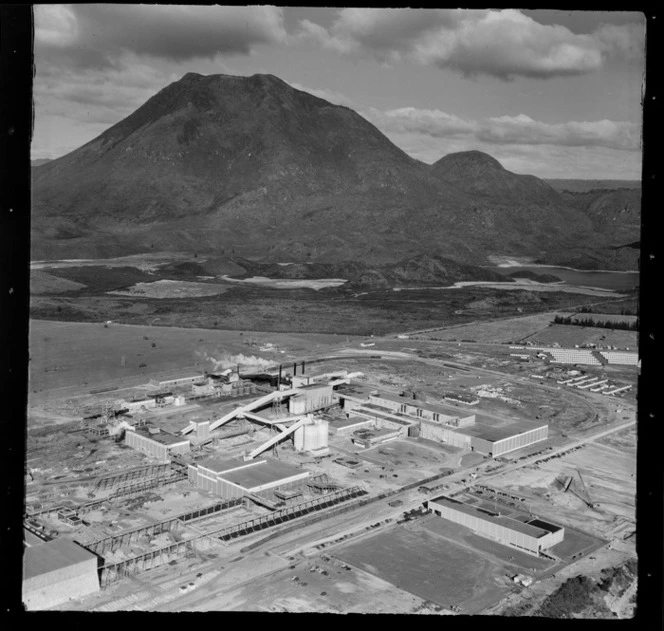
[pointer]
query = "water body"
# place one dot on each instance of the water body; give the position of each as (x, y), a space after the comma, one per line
(288, 283)
(602, 279)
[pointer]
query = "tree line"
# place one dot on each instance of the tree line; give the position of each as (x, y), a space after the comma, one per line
(601, 324)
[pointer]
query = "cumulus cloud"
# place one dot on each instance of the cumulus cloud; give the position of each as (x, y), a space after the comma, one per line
(506, 130)
(503, 44)
(97, 97)
(98, 35)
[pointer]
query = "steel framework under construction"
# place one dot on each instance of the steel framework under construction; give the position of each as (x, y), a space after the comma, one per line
(114, 542)
(111, 572)
(109, 481)
(290, 512)
(143, 562)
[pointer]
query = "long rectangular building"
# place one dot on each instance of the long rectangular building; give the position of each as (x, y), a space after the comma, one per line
(532, 536)
(156, 444)
(233, 478)
(57, 571)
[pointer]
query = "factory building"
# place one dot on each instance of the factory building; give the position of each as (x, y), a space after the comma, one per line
(310, 398)
(366, 438)
(353, 395)
(233, 478)
(497, 441)
(225, 384)
(297, 381)
(486, 439)
(312, 437)
(156, 443)
(57, 571)
(442, 434)
(419, 409)
(532, 536)
(347, 426)
(384, 419)
(182, 379)
(435, 423)
(138, 405)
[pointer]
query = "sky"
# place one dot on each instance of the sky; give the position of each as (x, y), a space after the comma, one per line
(553, 93)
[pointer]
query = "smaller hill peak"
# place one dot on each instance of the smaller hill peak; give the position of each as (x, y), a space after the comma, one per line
(469, 158)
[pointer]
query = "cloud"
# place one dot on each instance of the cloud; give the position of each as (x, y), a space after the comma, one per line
(98, 36)
(507, 130)
(337, 98)
(97, 96)
(503, 44)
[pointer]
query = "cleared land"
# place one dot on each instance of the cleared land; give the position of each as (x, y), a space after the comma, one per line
(510, 330)
(425, 565)
(77, 354)
(609, 475)
(570, 335)
(171, 289)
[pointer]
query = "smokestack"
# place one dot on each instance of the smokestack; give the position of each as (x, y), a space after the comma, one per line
(294, 368)
(303, 367)
(279, 379)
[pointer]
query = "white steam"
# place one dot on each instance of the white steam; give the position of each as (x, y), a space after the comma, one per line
(246, 362)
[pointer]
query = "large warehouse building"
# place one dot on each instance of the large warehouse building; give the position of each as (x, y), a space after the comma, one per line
(55, 572)
(156, 443)
(442, 424)
(232, 478)
(532, 536)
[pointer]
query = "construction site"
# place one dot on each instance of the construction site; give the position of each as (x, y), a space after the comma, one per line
(221, 486)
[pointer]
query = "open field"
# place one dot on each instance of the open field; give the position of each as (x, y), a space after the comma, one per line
(322, 585)
(246, 306)
(423, 564)
(44, 283)
(510, 330)
(65, 354)
(570, 335)
(171, 289)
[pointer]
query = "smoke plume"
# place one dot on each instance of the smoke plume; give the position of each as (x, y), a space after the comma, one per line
(246, 362)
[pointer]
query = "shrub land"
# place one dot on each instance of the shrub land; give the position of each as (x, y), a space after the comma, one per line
(601, 324)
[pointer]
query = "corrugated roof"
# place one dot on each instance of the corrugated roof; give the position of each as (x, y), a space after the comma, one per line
(384, 414)
(31, 539)
(268, 471)
(219, 465)
(501, 520)
(161, 437)
(494, 433)
(51, 556)
(353, 420)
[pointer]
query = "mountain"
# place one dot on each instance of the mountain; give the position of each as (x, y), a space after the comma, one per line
(583, 186)
(480, 174)
(419, 270)
(616, 218)
(251, 167)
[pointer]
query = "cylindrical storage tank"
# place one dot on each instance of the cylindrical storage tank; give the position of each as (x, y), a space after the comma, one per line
(299, 438)
(414, 431)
